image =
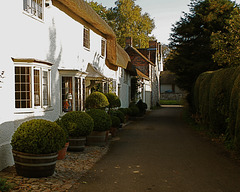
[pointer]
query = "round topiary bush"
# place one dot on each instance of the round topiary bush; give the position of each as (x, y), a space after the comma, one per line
(102, 121)
(118, 114)
(77, 123)
(115, 121)
(113, 100)
(135, 111)
(38, 136)
(124, 110)
(142, 106)
(96, 100)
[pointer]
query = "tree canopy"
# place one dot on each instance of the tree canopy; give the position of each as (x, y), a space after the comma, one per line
(127, 20)
(190, 42)
(227, 44)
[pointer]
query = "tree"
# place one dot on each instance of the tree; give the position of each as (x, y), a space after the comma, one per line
(127, 20)
(227, 44)
(191, 46)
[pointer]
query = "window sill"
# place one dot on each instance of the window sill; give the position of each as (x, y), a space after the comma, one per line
(87, 49)
(33, 16)
(35, 110)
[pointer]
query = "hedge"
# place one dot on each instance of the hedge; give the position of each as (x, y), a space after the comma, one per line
(216, 102)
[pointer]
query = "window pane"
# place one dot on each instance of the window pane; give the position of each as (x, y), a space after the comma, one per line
(23, 87)
(36, 88)
(103, 47)
(77, 94)
(86, 38)
(67, 94)
(45, 88)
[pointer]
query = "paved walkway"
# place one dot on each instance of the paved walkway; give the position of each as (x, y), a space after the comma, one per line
(162, 154)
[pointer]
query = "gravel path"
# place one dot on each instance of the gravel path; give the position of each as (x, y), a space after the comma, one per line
(66, 174)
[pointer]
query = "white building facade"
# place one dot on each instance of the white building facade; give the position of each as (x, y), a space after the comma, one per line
(51, 53)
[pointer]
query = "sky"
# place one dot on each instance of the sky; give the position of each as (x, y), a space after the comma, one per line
(164, 12)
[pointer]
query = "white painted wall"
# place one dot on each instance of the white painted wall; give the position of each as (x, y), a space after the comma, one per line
(59, 40)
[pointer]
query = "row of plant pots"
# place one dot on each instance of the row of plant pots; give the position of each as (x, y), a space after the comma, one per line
(38, 143)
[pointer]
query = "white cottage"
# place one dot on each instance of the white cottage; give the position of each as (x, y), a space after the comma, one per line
(52, 55)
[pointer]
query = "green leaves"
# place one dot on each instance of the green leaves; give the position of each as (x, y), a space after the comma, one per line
(192, 47)
(127, 20)
(38, 136)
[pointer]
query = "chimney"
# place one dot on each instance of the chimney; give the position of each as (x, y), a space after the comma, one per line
(128, 42)
(153, 44)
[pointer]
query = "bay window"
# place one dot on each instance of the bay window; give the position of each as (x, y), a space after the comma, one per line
(32, 85)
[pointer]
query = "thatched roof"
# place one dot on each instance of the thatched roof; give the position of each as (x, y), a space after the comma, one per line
(122, 57)
(81, 11)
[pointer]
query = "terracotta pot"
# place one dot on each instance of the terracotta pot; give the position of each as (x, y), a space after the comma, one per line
(62, 153)
(34, 165)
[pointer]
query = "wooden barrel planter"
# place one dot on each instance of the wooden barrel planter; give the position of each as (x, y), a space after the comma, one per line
(97, 138)
(34, 165)
(62, 153)
(77, 143)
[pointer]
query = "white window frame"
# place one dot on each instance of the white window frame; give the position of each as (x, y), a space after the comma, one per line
(41, 68)
(87, 42)
(32, 9)
(103, 46)
(73, 75)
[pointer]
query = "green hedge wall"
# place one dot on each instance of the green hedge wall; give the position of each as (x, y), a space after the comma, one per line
(216, 98)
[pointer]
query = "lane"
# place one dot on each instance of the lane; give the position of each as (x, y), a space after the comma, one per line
(161, 153)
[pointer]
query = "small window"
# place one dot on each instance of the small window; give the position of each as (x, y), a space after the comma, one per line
(34, 8)
(86, 38)
(103, 47)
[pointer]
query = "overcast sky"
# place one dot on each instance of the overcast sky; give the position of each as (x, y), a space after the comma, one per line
(164, 12)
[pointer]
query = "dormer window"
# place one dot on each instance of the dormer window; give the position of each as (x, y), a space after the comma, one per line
(34, 8)
(86, 38)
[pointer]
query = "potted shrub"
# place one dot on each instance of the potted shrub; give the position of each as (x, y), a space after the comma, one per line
(96, 100)
(78, 125)
(113, 100)
(118, 114)
(142, 107)
(102, 124)
(134, 111)
(35, 145)
(115, 125)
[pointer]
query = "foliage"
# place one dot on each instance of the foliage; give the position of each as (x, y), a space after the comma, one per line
(77, 123)
(191, 46)
(118, 114)
(38, 136)
(142, 107)
(115, 121)
(4, 185)
(217, 103)
(129, 111)
(127, 20)
(100, 10)
(227, 44)
(96, 100)
(102, 121)
(124, 111)
(113, 100)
